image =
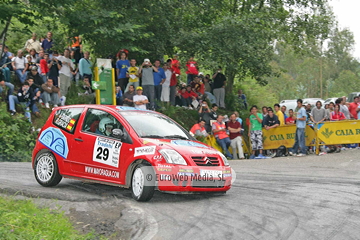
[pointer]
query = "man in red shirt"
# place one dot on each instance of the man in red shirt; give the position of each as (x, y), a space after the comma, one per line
(234, 128)
(192, 70)
(291, 119)
(353, 106)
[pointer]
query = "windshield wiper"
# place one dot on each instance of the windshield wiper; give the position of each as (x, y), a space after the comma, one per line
(176, 136)
(152, 136)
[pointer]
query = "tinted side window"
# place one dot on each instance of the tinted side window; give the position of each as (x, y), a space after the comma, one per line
(67, 119)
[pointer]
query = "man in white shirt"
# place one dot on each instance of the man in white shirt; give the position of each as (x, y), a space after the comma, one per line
(20, 64)
(165, 91)
(65, 74)
(32, 43)
(140, 100)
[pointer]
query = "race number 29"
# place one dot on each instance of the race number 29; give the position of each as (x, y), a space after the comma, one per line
(107, 151)
(103, 153)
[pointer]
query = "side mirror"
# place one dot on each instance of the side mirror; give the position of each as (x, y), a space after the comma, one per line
(118, 133)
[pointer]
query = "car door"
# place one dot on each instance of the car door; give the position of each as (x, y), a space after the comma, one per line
(95, 153)
(60, 139)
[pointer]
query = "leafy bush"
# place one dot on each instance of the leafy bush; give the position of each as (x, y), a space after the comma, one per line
(186, 118)
(16, 137)
(21, 219)
(73, 95)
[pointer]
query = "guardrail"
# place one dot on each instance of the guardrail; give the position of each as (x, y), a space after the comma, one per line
(326, 133)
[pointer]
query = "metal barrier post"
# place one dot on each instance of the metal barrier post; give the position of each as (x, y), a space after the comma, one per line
(316, 139)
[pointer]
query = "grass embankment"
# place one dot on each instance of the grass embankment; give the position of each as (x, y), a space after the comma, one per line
(22, 219)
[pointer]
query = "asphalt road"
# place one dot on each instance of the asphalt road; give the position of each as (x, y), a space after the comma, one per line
(313, 197)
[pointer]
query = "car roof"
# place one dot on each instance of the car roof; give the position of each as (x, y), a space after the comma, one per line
(106, 107)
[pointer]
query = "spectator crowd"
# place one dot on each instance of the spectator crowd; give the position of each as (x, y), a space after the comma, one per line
(45, 76)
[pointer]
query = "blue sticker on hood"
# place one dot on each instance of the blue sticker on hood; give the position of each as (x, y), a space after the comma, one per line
(55, 140)
(188, 143)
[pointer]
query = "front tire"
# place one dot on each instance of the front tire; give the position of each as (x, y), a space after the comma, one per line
(143, 183)
(46, 169)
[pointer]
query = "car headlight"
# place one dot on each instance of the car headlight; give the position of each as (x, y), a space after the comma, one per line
(226, 162)
(172, 156)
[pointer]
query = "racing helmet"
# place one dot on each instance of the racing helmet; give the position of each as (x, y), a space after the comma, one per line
(105, 122)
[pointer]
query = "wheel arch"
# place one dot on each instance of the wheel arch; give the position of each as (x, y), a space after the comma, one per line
(131, 169)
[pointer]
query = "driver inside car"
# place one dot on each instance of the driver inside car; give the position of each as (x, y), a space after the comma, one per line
(106, 126)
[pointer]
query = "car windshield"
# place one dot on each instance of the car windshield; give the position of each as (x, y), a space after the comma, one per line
(153, 125)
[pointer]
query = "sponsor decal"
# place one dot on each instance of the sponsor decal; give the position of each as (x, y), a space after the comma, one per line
(71, 124)
(164, 168)
(55, 140)
(102, 172)
(188, 143)
(144, 151)
(186, 170)
(107, 151)
(158, 157)
(65, 121)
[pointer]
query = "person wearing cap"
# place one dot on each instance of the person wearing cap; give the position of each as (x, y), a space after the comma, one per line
(20, 65)
(140, 100)
(34, 74)
(219, 87)
(146, 71)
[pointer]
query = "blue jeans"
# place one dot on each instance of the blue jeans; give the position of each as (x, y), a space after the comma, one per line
(185, 101)
(21, 76)
(6, 73)
(158, 89)
(224, 144)
(10, 89)
(14, 100)
(299, 141)
(190, 78)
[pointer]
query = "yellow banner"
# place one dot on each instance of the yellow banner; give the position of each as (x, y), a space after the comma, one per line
(340, 132)
(285, 136)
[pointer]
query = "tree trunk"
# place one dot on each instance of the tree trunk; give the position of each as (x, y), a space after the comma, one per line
(230, 77)
(3, 35)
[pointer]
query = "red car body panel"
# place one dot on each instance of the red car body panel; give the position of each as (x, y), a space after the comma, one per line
(79, 161)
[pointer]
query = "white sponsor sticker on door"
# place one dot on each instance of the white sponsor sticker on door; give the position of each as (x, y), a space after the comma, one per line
(144, 151)
(107, 151)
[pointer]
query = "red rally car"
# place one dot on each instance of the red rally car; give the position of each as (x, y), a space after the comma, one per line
(127, 147)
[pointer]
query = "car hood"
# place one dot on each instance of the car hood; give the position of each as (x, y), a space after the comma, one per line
(184, 147)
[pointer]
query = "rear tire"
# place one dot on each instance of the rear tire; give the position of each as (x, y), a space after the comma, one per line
(143, 183)
(46, 169)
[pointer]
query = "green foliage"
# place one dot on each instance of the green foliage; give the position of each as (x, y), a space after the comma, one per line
(16, 137)
(73, 96)
(186, 118)
(21, 219)
(257, 94)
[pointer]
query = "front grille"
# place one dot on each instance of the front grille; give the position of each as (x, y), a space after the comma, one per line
(206, 161)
